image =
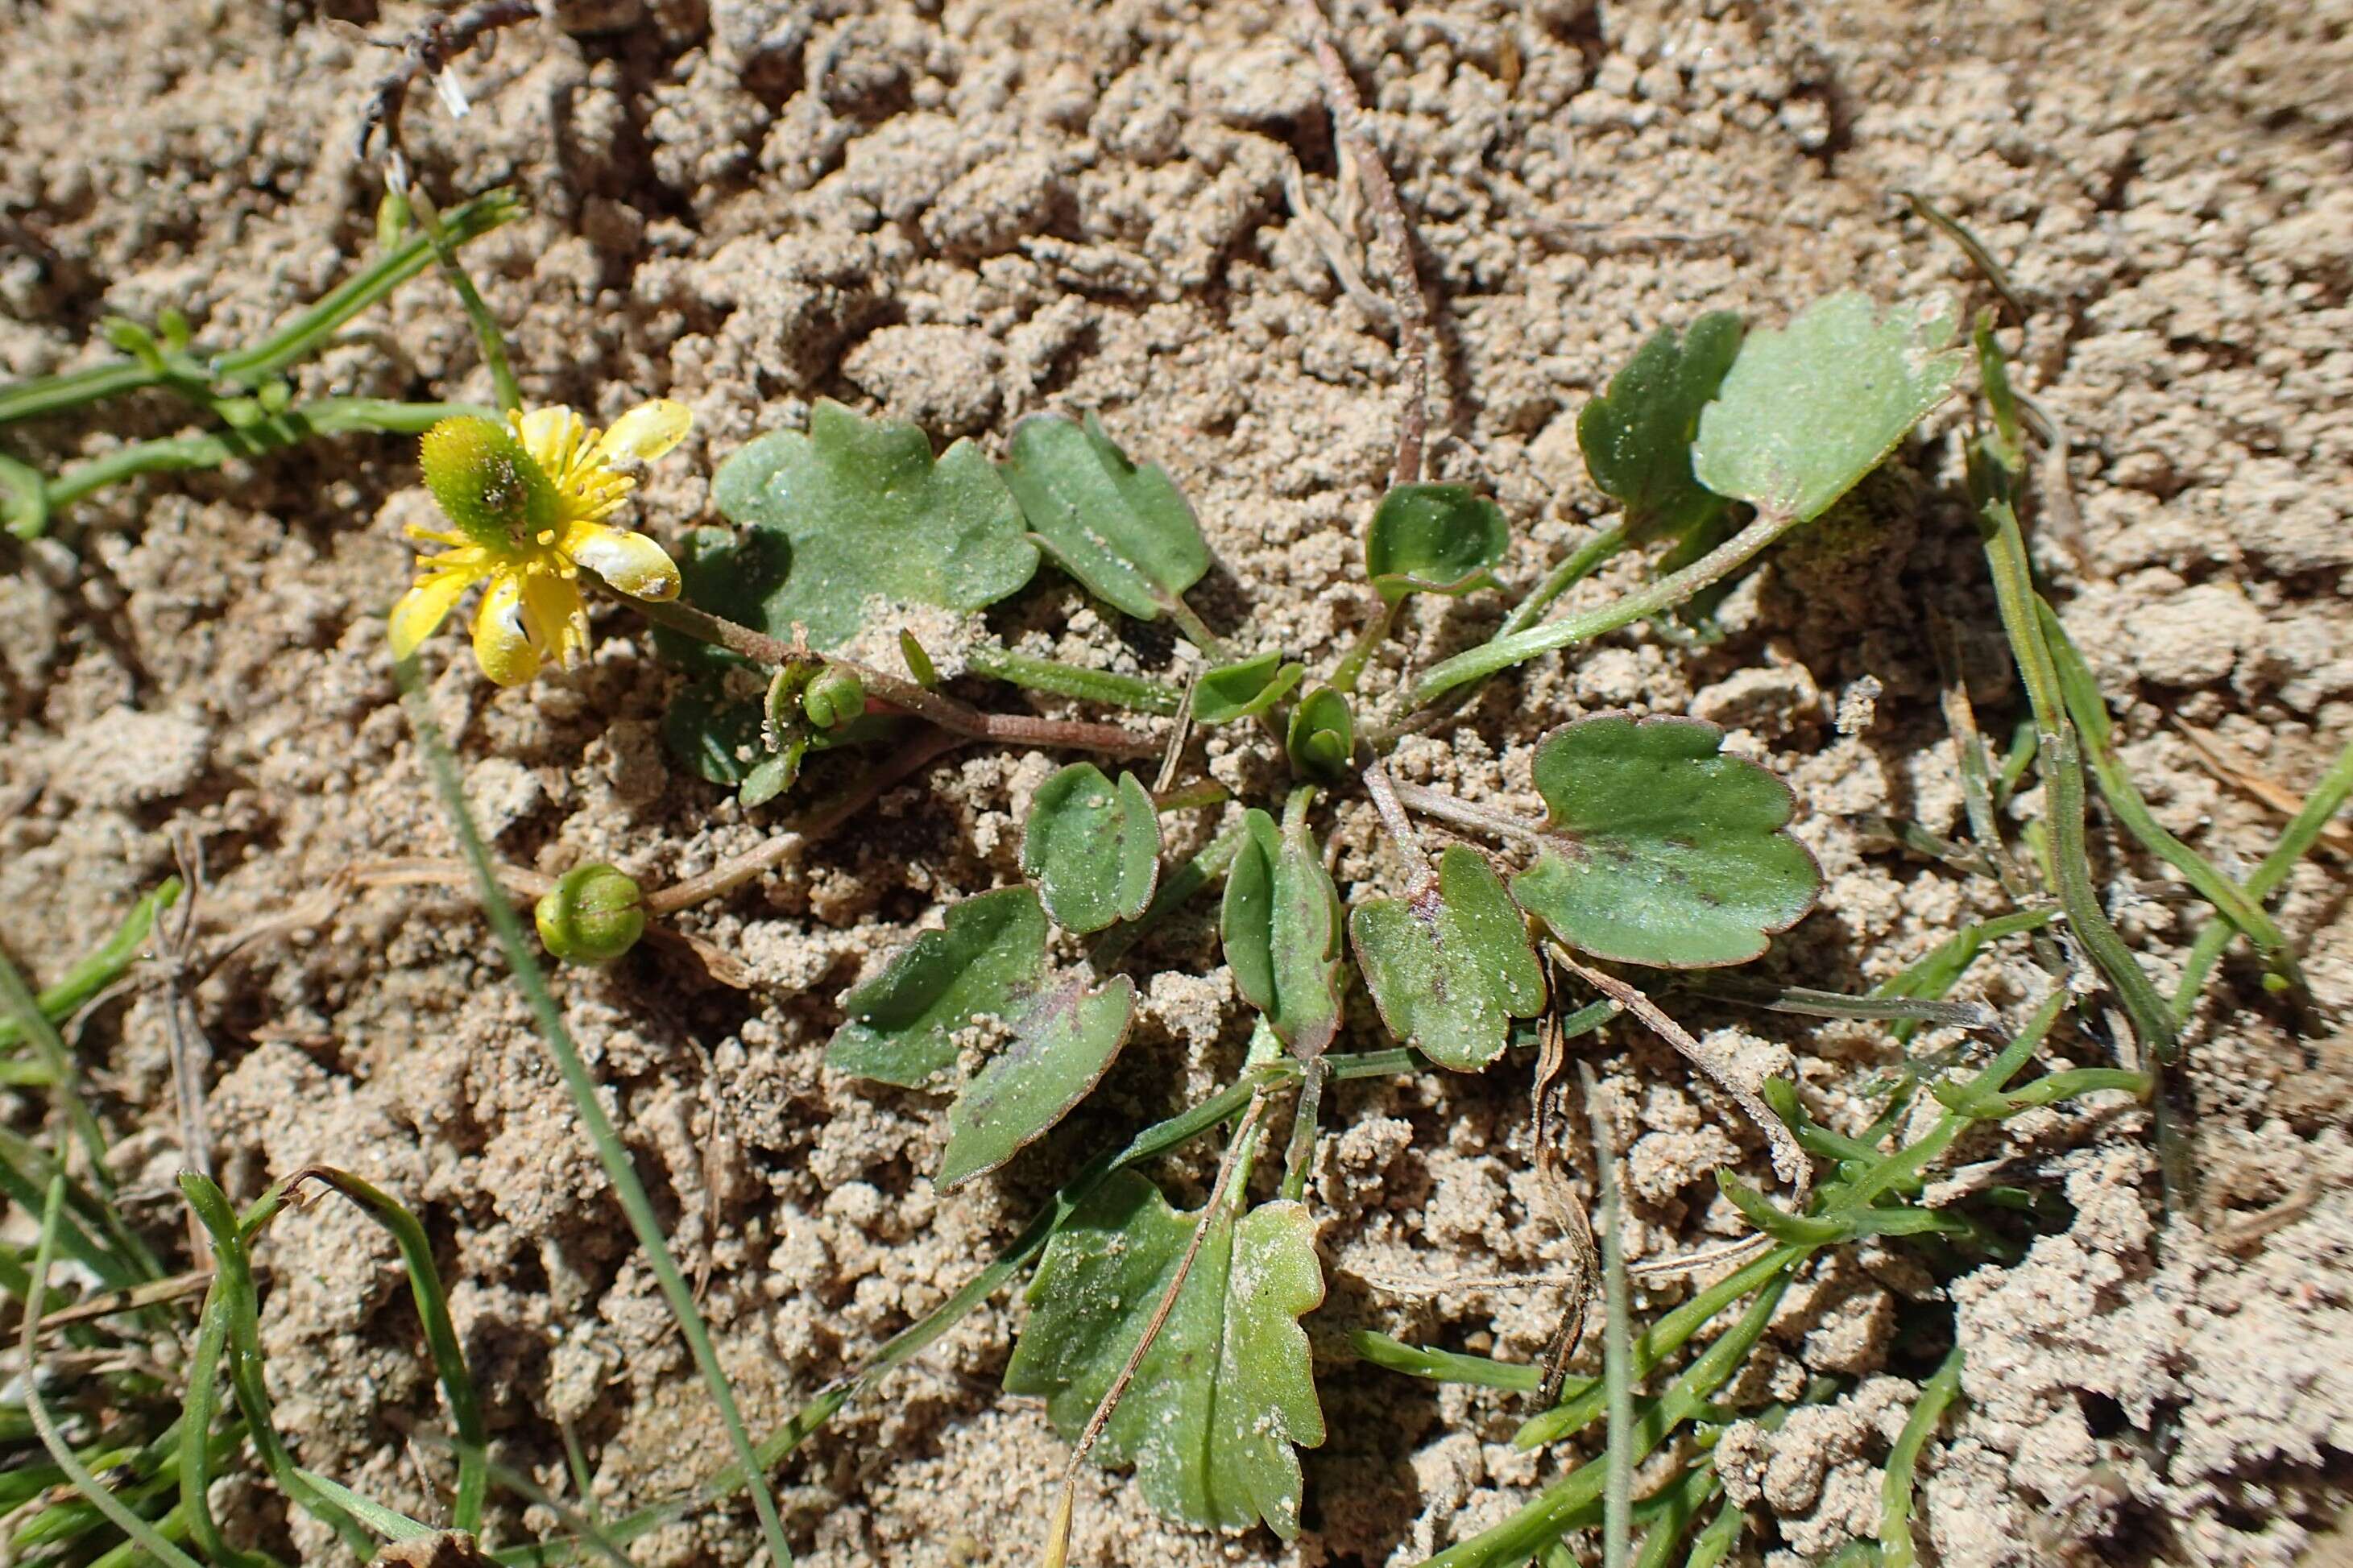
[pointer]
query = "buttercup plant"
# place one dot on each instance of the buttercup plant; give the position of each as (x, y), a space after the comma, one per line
(1166, 1341)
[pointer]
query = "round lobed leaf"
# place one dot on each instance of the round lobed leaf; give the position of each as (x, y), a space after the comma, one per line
(1124, 531)
(902, 1023)
(1452, 966)
(1660, 850)
(1059, 1052)
(1434, 538)
(853, 514)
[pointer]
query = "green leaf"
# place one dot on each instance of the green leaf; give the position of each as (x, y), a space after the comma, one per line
(1636, 436)
(902, 1023)
(1124, 532)
(1093, 849)
(986, 963)
(855, 512)
(1808, 410)
(1280, 926)
(1226, 1389)
(1434, 538)
(1244, 691)
(1660, 850)
(718, 736)
(1321, 738)
(1452, 966)
(1059, 1052)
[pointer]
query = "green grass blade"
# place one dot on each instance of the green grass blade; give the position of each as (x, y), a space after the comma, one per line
(1671, 1511)
(1570, 1502)
(100, 969)
(24, 1170)
(1617, 1338)
(1715, 1543)
(440, 1334)
(2063, 773)
(234, 1296)
(51, 1046)
(2094, 730)
(199, 1403)
(2320, 806)
(620, 1169)
(384, 1521)
(1445, 1366)
(139, 1529)
(1896, 1544)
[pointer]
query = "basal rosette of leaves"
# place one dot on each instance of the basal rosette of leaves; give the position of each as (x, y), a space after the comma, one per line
(1658, 851)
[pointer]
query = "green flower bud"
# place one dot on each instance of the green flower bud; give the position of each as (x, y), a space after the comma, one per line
(592, 915)
(487, 483)
(833, 698)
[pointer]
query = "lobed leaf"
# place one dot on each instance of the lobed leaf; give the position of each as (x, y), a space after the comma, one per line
(1452, 966)
(1807, 411)
(986, 960)
(1434, 538)
(1226, 1390)
(1125, 532)
(1092, 848)
(1636, 436)
(855, 512)
(1244, 691)
(1660, 850)
(1281, 927)
(1059, 1052)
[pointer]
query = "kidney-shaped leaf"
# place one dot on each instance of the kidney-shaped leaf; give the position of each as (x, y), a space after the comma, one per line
(856, 510)
(1244, 691)
(1662, 850)
(1636, 436)
(1807, 411)
(1226, 1389)
(986, 960)
(1092, 848)
(1434, 538)
(1124, 531)
(1451, 967)
(1058, 1053)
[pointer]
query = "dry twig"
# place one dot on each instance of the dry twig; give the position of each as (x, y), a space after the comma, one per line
(1394, 249)
(427, 53)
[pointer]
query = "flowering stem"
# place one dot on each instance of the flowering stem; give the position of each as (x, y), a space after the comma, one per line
(487, 334)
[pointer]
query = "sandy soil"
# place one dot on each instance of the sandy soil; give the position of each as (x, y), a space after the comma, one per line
(960, 212)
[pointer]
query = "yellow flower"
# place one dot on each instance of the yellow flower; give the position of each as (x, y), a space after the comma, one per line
(528, 500)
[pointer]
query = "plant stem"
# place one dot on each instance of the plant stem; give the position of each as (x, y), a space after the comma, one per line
(1468, 814)
(1667, 591)
(102, 968)
(488, 336)
(1420, 874)
(729, 875)
(1076, 680)
(1580, 564)
(296, 340)
(1377, 631)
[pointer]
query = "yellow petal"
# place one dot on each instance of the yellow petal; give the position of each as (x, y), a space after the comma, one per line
(630, 562)
(501, 647)
(552, 436)
(555, 617)
(424, 607)
(643, 434)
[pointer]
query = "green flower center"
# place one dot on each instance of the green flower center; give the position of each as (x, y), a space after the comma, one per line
(488, 485)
